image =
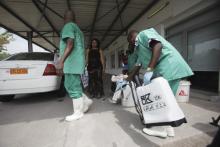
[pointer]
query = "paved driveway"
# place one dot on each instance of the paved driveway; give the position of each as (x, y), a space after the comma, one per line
(38, 121)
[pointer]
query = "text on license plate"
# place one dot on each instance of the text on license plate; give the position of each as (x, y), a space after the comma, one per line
(14, 71)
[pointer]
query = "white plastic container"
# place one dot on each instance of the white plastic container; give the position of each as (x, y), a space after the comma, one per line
(158, 103)
(182, 94)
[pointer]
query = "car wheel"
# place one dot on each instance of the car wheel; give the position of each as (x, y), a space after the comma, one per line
(6, 98)
(62, 91)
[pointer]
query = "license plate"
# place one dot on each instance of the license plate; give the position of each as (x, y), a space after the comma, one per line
(15, 71)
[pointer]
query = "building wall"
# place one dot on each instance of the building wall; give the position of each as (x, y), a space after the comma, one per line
(174, 12)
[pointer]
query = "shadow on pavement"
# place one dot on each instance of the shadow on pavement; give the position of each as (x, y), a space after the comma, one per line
(212, 106)
(205, 128)
(130, 123)
(27, 108)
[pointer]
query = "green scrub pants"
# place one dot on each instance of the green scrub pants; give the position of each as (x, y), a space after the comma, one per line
(73, 85)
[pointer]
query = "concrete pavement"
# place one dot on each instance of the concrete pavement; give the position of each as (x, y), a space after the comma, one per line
(38, 121)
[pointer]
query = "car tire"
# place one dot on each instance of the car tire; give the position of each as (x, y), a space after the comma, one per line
(6, 98)
(62, 91)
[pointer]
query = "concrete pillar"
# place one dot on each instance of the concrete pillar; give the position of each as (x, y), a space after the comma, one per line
(162, 30)
(219, 82)
(30, 46)
(116, 59)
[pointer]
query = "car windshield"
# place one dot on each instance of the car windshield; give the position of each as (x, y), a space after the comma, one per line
(32, 56)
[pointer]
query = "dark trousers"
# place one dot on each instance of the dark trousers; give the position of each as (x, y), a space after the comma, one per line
(96, 83)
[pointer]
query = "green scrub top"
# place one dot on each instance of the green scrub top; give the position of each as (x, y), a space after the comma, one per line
(132, 58)
(75, 62)
(171, 64)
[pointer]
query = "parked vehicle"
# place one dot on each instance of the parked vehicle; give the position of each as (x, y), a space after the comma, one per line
(25, 73)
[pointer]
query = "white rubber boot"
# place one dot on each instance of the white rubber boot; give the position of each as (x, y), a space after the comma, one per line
(78, 110)
(86, 103)
(170, 131)
(150, 132)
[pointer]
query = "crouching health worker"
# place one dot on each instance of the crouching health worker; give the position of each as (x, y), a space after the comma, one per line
(155, 54)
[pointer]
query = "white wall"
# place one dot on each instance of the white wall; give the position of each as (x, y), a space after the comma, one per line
(173, 13)
(119, 44)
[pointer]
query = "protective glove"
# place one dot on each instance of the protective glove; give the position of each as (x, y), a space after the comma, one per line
(147, 76)
(120, 85)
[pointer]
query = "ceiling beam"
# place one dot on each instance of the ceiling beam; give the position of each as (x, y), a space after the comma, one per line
(105, 14)
(84, 30)
(118, 7)
(45, 33)
(100, 35)
(52, 10)
(42, 11)
(47, 36)
(115, 20)
(144, 11)
(25, 37)
(95, 18)
(25, 22)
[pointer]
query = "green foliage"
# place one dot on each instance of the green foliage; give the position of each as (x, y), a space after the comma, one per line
(5, 38)
(3, 55)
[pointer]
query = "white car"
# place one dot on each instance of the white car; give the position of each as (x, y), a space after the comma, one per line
(25, 73)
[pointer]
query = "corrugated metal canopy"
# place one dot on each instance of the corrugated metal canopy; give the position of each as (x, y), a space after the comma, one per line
(101, 19)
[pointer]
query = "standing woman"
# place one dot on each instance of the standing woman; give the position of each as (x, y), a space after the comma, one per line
(96, 68)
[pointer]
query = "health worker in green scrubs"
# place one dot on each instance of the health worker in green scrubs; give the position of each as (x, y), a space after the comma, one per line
(72, 64)
(155, 54)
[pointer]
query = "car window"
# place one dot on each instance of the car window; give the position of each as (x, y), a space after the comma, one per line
(32, 56)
